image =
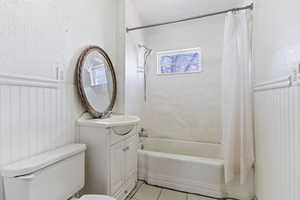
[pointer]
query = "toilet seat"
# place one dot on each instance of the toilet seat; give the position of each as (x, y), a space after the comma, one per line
(96, 197)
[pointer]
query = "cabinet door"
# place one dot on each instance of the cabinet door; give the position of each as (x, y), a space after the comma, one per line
(131, 145)
(117, 167)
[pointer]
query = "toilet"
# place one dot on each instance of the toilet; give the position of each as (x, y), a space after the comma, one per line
(53, 175)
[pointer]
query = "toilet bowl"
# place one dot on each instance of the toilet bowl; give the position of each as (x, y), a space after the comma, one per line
(57, 174)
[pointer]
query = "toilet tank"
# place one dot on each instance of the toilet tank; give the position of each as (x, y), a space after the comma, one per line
(53, 175)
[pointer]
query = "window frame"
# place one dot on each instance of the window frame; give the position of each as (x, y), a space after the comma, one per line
(174, 52)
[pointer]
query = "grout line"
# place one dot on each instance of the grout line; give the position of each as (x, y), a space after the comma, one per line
(135, 190)
(158, 197)
(183, 191)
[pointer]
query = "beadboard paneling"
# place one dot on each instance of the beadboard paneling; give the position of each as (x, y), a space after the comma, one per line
(36, 115)
(277, 143)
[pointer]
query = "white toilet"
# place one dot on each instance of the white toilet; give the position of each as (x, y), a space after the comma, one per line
(54, 175)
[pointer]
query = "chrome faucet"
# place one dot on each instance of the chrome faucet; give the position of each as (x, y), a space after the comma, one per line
(106, 114)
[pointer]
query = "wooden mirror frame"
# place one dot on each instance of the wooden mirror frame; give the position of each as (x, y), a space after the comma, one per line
(83, 97)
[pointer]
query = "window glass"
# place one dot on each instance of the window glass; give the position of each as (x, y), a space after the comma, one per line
(180, 61)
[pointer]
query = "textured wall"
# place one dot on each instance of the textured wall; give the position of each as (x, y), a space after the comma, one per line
(36, 37)
(276, 34)
(134, 79)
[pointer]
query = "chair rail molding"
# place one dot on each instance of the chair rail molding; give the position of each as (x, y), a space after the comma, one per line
(30, 81)
(37, 114)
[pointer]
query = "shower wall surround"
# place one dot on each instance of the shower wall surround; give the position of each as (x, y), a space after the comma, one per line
(186, 106)
(39, 113)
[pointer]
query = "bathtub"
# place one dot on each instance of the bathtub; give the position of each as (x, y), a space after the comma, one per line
(188, 166)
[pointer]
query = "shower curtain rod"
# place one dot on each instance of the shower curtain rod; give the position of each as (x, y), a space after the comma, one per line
(191, 18)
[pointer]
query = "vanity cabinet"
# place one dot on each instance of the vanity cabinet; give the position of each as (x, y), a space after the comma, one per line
(123, 162)
(111, 158)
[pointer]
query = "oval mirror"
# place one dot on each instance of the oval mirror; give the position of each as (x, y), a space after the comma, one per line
(96, 81)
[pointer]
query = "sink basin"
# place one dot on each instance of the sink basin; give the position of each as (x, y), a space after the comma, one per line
(112, 121)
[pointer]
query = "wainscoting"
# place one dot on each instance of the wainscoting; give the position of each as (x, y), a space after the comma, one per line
(277, 140)
(36, 115)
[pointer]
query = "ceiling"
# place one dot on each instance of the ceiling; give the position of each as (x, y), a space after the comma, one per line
(155, 11)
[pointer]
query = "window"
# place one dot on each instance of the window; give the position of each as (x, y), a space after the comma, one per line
(179, 61)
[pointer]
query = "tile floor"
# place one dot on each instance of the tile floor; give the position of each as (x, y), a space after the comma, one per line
(148, 192)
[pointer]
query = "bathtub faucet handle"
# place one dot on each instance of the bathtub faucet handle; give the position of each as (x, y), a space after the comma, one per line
(142, 133)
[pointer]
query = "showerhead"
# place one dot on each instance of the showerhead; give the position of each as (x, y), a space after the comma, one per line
(147, 51)
(143, 46)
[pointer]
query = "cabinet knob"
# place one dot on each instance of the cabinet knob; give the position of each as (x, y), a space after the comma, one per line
(125, 191)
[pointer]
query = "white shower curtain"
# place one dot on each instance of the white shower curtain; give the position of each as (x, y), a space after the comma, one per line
(237, 96)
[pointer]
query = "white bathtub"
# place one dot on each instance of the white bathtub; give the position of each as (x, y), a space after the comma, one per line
(188, 166)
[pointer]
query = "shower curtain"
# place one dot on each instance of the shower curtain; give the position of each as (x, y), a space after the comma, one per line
(237, 96)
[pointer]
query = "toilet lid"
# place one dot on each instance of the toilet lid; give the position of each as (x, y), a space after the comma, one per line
(96, 197)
